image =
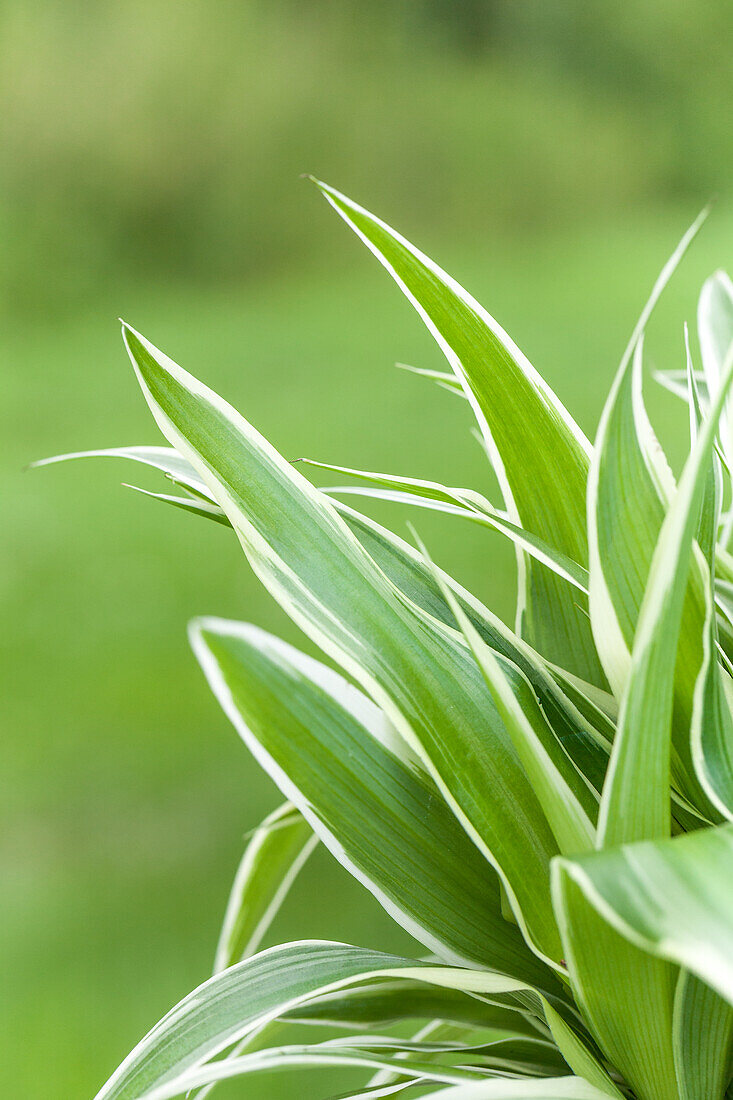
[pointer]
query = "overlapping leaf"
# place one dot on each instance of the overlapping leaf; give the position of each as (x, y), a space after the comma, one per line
(635, 803)
(321, 741)
(671, 898)
(464, 503)
(238, 1000)
(540, 454)
(420, 673)
(626, 993)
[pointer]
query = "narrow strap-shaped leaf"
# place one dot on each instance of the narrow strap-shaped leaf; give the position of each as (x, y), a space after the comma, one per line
(586, 737)
(443, 379)
(629, 493)
(188, 504)
(626, 509)
(539, 453)
(380, 1004)
(562, 793)
(635, 803)
(420, 673)
(715, 330)
(165, 459)
(671, 898)
(625, 994)
(537, 549)
(386, 823)
(270, 864)
(703, 1039)
(707, 530)
(712, 725)
(676, 382)
(376, 1093)
(577, 1054)
(628, 499)
(435, 1029)
(268, 985)
(313, 1057)
(433, 490)
(586, 742)
(624, 491)
(558, 1088)
(711, 732)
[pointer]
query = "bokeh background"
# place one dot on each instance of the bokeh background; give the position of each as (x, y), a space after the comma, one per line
(548, 155)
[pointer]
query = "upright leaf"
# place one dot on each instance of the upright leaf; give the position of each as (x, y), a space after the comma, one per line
(540, 454)
(711, 733)
(271, 862)
(703, 1039)
(715, 329)
(626, 996)
(420, 673)
(635, 803)
(565, 799)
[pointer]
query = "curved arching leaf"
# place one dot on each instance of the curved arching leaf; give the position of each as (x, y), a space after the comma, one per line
(236, 1001)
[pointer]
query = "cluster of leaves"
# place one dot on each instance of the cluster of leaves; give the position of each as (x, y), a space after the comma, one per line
(547, 810)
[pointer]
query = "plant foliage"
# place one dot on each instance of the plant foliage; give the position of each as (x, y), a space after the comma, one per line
(547, 810)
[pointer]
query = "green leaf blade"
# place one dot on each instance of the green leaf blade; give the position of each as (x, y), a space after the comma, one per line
(322, 742)
(271, 862)
(422, 675)
(540, 454)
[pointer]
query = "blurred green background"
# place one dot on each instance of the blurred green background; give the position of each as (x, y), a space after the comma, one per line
(549, 155)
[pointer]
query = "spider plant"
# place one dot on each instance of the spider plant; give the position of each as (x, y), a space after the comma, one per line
(546, 810)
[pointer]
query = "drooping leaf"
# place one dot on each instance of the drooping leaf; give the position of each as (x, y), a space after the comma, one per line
(540, 455)
(271, 862)
(320, 1056)
(236, 1001)
(393, 1057)
(165, 459)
